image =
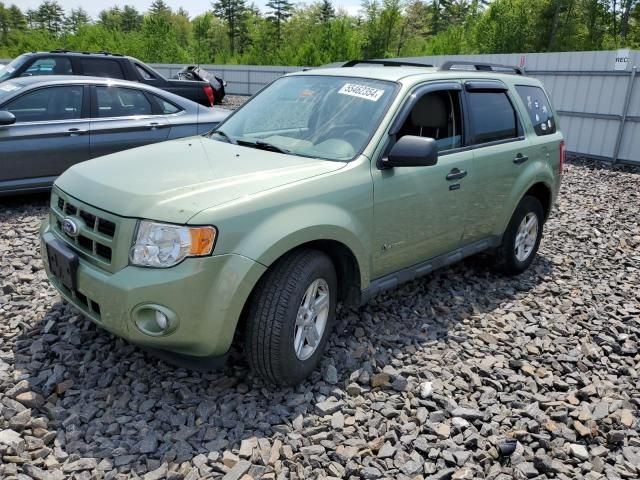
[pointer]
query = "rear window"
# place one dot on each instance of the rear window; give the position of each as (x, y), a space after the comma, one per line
(98, 67)
(538, 108)
(492, 117)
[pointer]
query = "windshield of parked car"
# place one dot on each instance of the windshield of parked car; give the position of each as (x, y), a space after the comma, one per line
(325, 117)
(8, 69)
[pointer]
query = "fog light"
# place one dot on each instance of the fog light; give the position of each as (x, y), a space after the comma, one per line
(155, 320)
(162, 320)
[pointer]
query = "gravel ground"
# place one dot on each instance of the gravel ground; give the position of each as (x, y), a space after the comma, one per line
(490, 377)
(231, 102)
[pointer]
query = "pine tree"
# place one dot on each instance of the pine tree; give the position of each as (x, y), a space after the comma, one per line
(50, 16)
(111, 18)
(76, 19)
(233, 12)
(327, 12)
(281, 10)
(158, 7)
(131, 19)
(17, 21)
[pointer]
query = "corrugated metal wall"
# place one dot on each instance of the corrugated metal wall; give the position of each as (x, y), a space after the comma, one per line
(587, 92)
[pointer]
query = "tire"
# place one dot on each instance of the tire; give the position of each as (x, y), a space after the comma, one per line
(273, 321)
(509, 259)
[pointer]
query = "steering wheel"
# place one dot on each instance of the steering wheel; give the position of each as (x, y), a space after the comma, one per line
(356, 132)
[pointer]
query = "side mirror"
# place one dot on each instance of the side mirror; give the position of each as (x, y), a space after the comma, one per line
(411, 151)
(6, 118)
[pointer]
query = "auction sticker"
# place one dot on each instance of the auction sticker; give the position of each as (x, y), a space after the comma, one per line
(361, 91)
(9, 87)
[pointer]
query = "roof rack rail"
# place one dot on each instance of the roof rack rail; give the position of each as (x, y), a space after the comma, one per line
(86, 52)
(385, 63)
(482, 67)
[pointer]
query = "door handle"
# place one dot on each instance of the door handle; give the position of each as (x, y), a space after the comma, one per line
(456, 174)
(155, 125)
(520, 158)
(74, 132)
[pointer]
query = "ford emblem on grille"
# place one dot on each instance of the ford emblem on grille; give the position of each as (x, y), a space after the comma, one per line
(70, 227)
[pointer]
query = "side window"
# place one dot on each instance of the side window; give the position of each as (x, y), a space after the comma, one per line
(538, 108)
(144, 73)
(54, 103)
(49, 66)
(121, 102)
(167, 108)
(436, 115)
(102, 67)
(492, 116)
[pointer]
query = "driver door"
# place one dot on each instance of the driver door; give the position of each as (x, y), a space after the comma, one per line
(419, 212)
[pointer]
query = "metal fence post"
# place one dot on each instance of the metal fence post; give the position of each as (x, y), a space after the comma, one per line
(625, 111)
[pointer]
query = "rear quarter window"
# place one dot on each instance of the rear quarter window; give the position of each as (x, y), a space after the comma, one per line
(539, 109)
(98, 67)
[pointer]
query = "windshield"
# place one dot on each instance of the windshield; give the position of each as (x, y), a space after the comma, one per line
(7, 70)
(316, 116)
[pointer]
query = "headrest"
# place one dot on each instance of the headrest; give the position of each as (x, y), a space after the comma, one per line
(430, 111)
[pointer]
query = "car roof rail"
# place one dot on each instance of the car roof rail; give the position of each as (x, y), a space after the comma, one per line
(385, 63)
(482, 67)
(85, 52)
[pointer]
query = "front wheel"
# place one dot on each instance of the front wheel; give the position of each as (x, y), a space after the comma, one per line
(522, 238)
(291, 316)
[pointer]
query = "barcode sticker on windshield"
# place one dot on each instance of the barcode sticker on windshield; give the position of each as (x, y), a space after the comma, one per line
(361, 91)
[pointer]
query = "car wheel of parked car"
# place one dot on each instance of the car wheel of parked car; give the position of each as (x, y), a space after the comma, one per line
(522, 238)
(291, 316)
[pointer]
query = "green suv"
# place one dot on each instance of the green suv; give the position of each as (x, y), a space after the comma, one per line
(330, 185)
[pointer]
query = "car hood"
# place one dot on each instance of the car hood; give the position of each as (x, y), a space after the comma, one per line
(172, 181)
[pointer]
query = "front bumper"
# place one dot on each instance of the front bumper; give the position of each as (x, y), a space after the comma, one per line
(206, 295)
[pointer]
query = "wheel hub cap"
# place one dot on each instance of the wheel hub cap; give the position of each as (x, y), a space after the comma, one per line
(312, 318)
(526, 237)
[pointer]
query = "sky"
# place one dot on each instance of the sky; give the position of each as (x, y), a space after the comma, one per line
(194, 7)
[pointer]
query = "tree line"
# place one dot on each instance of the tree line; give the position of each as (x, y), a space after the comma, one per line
(284, 33)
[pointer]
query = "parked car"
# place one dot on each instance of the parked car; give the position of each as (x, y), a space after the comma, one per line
(104, 64)
(329, 185)
(48, 124)
(195, 72)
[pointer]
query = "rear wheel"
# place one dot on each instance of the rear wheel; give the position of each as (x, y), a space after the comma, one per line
(291, 316)
(522, 238)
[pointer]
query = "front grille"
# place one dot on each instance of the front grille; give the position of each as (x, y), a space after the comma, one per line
(99, 231)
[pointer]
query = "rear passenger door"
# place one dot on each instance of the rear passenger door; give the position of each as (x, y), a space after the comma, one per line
(123, 118)
(501, 152)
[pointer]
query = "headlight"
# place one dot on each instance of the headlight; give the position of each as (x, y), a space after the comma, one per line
(161, 245)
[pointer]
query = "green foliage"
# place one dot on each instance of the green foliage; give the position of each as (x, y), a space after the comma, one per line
(317, 33)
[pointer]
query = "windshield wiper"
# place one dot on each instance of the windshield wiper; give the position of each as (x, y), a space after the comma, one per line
(223, 134)
(264, 146)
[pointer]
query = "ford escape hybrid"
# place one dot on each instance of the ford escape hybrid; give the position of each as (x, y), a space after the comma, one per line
(330, 185)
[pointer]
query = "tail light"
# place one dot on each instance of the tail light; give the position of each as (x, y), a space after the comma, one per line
(209, 92)
(562, 154)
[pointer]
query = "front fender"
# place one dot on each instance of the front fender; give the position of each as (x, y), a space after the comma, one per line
(296, 225)
(337, 206)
